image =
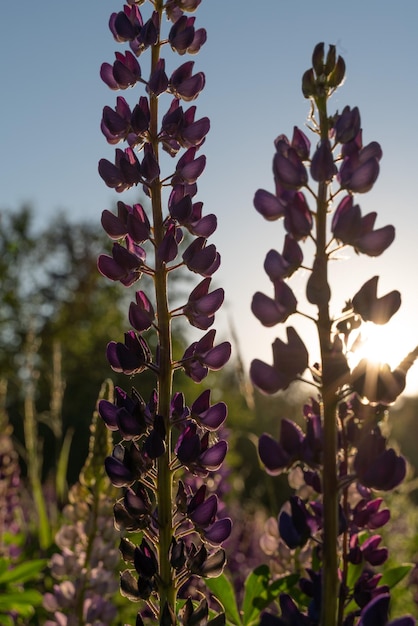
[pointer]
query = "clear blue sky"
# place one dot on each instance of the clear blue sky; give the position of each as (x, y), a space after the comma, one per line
(52, 99)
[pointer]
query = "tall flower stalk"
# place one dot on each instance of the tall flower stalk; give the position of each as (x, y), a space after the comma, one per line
(342, 453)
(163, 440)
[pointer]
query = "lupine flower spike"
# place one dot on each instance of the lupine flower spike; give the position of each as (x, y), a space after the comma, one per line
(163, 443)
(342, 451)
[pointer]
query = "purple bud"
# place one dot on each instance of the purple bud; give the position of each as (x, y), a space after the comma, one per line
(323, 168)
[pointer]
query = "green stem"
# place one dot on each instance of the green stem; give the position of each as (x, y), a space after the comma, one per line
(330, 584)
(167, 587)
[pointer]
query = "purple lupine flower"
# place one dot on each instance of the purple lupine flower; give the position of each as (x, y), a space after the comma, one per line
(349, 227)
(145, 561)
(377, 382)
(290, 614)
(126, 464)
(289, 361)
(126, 25)
(141, 312)
(180, 129)
(124, 173)
(360, 167)
(147, 36)
(124, 265)
(347, 125)
(127, 415)
(201, 306)
(116, 122)
(280, 266)
(124, 72)
(168, 248)
(208, 416)
(300, 142)
(298, 526)
(366, 514)
(279, 455)
(130, 357)
(368, 550)
(376, 466)
(194, 451)
(185, 85)
(274, 311)
(201, 563)
(268, 204)
(376, 613)
(288, 168)
(150, 170)
(176, 8)
(298, 219)
(189, 168)
(189, 214)
(158, 81)
(323, 167)
(371, 308)
(200, 258)
(130, 220)
(183, 37)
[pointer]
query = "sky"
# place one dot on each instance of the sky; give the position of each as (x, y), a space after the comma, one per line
(256, 53)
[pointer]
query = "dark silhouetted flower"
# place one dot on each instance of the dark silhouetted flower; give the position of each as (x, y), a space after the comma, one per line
(373, 309)
(289, 360)
(158, 81)
(280, 266)
(288, 168)
(377, 382)
(376, 613)
(349, 227)
(360, 167)
(347, 125)
(268, 204)
(323, 168)
(376, 466)
(279, 455)
(297, 217)
(274, 311)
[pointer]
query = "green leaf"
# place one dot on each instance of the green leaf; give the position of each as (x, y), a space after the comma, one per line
(223, 590)
(353, 574)
(22, 602)
(259, 592)
(394, 575)
(257, 582)
(23, 572)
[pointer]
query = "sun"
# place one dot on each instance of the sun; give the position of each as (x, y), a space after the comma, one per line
(389, 343)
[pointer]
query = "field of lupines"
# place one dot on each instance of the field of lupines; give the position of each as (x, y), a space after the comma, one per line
(157, 528)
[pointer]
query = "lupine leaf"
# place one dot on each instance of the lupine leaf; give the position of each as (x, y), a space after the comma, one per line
(22, 602)
(259, 593)
(22, 572)
(222, 589)
(394, 575)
